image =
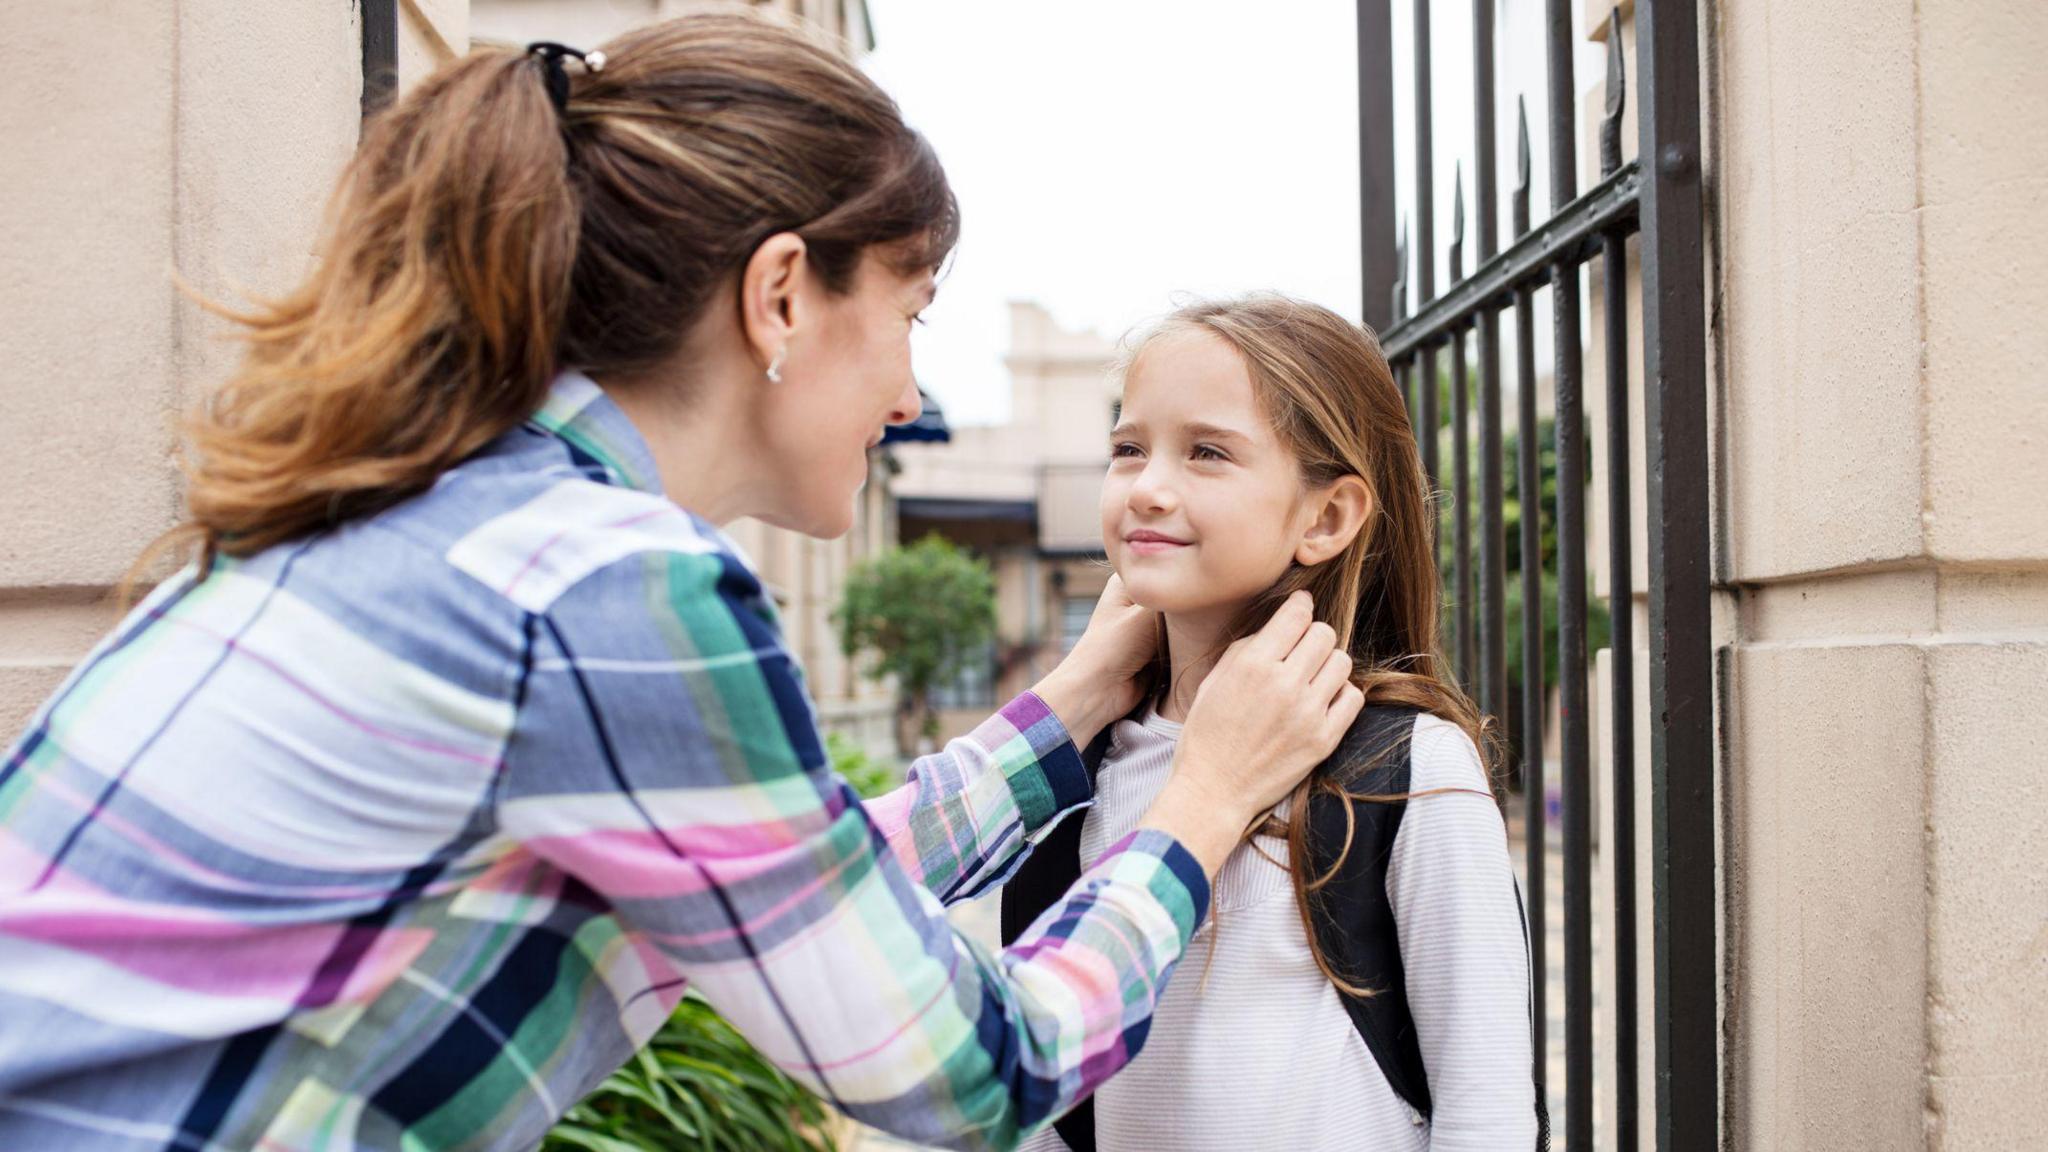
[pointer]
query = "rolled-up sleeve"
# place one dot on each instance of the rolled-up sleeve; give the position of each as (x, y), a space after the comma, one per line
(961, 822)
(667, 759)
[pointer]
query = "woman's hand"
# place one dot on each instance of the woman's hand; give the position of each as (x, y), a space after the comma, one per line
(1275, 706)
(1104, 676)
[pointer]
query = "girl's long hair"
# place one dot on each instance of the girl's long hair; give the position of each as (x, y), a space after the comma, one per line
(482, 240)
(1324, 383)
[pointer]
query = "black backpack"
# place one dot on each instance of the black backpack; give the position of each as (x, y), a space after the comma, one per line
(1354, 923)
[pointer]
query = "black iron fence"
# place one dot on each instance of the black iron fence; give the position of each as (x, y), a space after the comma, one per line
(1657, 196)
(380, 54)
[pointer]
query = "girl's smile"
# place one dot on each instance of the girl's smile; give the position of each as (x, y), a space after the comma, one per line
(1145, 542)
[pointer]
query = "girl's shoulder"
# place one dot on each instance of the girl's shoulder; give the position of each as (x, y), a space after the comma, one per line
(1394, 749)
(1441, 755)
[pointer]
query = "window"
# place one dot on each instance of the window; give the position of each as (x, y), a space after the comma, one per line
(1074, 613)
(975, 685)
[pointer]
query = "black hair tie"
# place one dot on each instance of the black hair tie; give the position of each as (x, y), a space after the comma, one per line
(556, 77)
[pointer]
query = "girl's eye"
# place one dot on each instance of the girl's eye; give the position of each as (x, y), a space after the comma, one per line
(1209, 452)
(1124, 449)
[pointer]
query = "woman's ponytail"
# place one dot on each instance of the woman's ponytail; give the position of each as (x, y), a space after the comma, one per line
(427, 328)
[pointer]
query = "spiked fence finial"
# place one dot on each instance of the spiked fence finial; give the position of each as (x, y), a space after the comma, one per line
(1617, 84)
(1518, 200)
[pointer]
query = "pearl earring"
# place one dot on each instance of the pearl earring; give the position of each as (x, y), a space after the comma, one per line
(775, 366)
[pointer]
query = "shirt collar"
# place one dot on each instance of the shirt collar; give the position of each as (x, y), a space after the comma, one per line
(579, 413)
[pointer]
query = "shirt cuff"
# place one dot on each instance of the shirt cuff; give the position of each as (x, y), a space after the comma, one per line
(1037, 756)
(1165, 868)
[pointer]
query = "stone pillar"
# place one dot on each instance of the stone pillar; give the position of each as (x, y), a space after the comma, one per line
(1884, 452)
(196, 139)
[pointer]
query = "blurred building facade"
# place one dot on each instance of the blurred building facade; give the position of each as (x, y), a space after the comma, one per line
(1023, 496)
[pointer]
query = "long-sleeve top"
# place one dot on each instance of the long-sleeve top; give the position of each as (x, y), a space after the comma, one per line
(1252, 1051)
(406, 834)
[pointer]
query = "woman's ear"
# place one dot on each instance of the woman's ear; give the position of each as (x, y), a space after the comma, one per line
(1341, 511)
(769, 297)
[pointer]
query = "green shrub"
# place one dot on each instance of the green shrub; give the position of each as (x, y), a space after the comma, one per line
(698, 1086)
(870, 777)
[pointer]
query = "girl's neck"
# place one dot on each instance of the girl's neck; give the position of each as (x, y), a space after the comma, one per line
(1193, 645)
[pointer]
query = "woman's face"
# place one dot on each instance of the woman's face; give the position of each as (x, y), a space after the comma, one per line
(1203, 507)
(845, 378)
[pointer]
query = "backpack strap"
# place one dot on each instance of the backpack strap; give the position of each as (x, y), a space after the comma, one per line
(1537, 1058)
(1352, 918)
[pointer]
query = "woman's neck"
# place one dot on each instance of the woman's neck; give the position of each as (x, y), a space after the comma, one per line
(1194, 642)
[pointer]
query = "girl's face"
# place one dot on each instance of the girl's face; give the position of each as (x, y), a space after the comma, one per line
(1203, 507)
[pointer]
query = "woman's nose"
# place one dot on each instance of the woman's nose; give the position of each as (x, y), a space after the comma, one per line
(909, 404)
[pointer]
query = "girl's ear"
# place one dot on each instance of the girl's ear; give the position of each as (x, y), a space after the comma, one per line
(1341, 512)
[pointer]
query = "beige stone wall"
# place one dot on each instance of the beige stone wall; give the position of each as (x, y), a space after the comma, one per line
(196, 138)
(1882, 282)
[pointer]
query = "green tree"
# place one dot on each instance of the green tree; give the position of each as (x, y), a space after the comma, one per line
(920, 611)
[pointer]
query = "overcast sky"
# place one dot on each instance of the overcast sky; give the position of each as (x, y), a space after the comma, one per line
(1110, 155)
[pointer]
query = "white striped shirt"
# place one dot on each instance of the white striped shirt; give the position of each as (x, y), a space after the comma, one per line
(1251, 1049)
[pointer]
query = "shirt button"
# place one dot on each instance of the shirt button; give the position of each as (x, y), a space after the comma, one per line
(1415, 1117)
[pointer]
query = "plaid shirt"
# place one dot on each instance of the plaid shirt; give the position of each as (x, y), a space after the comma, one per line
(406, 835)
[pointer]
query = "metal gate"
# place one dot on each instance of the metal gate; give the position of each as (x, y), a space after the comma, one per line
(1659, 197)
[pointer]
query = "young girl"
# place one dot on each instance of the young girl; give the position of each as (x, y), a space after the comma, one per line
(1363, 982)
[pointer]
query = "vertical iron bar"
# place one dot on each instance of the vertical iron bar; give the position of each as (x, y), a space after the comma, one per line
(1621, 849)
(1529, 494)
(1378, 263)
(1574, 777)
(1404, 375)
(1425, 257)
(1397, 304)
(1428, 427)
(380, 54)
(1461, 461)
(1493, 652)
(1681, 673)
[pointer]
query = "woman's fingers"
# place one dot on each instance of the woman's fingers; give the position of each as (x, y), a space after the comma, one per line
(1344, 712)
(1280, 634)
(1333, 675)
(1314, 647)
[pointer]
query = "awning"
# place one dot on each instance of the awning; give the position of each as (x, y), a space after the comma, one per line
(934, 508)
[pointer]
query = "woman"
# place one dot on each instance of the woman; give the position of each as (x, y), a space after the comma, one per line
(407, 811)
